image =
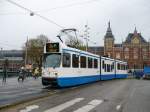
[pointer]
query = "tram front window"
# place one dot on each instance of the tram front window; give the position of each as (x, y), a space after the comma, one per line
(52, 60)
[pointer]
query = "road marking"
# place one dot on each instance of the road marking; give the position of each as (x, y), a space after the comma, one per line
(64, 105)
(29, 108)
(118, 107)
(89, 106)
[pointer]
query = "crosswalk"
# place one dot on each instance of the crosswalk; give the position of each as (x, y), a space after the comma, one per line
(59, 108)
(89, 106)
(64, 105)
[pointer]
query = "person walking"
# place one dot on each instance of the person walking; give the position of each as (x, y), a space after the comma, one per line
(36, 73)
(21, 75)
(4, 75)
(5, 71)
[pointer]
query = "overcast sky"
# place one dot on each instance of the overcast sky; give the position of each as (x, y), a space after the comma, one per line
(16, 24)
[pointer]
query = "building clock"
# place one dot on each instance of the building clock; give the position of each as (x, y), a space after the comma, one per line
(135, 40)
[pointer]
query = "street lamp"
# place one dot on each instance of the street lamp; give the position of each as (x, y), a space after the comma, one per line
(86, 36)
(95, 47)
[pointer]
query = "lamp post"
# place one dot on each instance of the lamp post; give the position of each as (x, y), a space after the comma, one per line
(95, 48)
(86, 36)
(26, 55)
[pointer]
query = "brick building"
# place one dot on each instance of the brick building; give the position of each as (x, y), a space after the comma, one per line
(135, 49)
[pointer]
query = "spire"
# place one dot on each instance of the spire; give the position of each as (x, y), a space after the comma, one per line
(109, 32)
(109, 29)
(109, 24)
(135, 31)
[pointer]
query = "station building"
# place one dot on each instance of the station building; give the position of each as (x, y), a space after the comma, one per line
(14, 57)
(135, 49)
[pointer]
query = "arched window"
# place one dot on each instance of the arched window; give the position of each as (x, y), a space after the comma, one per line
(126, 49)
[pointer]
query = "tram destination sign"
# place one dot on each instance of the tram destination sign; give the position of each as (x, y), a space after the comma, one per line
(52, 47)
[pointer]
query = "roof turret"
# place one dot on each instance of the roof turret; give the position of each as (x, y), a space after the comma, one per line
(109, 32)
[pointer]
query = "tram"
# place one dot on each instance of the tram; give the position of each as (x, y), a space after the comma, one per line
(64, 66)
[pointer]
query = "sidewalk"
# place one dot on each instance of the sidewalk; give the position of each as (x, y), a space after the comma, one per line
(13, 91)
(12, 82)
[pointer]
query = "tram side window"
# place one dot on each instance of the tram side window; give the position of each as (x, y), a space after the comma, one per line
(66, 60)
(95, 63)
(105, 68)
(125, 67)
(108, 67)
(75, 61)
(90, 64)
(118, 66)
(103, 65)
(83, 61)
(112, 66)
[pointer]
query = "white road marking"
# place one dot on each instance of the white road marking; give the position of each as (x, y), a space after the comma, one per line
(89, 106)
(64, 105)
(118, 107)
(29, 108)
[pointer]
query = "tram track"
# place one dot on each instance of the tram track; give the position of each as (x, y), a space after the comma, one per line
(41, 95)
(45, 92)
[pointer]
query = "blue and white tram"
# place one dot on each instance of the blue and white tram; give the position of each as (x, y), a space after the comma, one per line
(64, 66)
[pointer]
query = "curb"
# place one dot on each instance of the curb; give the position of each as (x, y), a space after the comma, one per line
(26, 100)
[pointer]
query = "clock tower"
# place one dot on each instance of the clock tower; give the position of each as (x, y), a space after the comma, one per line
(109, 42)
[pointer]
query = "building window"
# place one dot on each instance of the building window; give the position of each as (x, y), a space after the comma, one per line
(144, 50)
(66, 60)
(83, 61)
(145, 56)
(135, 50)
(118, 55)
(135, 56)
(126, 56)
(75, 60)
(135, 53)
(126, 49)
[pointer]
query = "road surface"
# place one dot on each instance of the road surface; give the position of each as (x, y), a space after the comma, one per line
(125, 95)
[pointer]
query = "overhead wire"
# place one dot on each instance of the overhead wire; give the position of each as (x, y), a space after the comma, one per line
(55, 8)
(34, 13)
(69, 5)
(37, 14)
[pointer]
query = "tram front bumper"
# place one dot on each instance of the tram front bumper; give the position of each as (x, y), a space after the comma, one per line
(49, 81)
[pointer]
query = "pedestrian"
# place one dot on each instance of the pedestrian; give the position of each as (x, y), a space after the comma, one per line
(5, 71)
(21, 74)
(36, 73)
(4, 75)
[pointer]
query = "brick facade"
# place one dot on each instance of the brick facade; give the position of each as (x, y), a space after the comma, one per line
(135, 49)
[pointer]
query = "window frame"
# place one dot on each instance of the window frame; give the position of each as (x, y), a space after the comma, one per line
(83, 63)
(69, 65)
(75, 63)
(95, 63)
(90, 62)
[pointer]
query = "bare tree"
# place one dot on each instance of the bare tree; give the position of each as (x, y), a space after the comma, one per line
(35, 48)
(75, 43)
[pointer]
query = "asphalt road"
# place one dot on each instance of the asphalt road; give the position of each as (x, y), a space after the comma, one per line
(13, 91)
(125, 95)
